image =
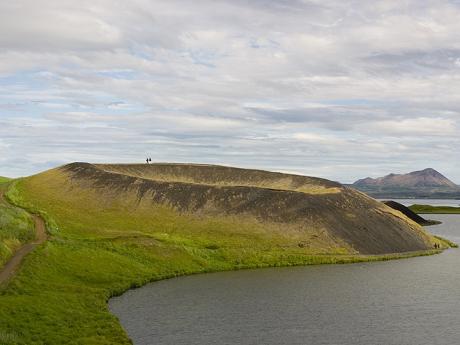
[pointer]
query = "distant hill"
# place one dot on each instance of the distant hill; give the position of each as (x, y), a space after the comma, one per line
(417, 184)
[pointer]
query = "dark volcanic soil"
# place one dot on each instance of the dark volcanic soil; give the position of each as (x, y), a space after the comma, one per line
(367, 225)
(218, 175)
(409, 213)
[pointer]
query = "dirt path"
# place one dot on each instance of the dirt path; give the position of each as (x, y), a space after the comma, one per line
(13, 264)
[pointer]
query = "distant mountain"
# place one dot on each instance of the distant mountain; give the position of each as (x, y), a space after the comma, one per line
(423, 178)
(427, 183)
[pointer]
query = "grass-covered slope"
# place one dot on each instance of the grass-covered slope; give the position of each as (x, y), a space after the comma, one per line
(4, 179)
(111, 232)
(336, 217)
(16, 227)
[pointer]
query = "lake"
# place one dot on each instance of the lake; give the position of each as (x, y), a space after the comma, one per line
(433, 202)
(403, 302)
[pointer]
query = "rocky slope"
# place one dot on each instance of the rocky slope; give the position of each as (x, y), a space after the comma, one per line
(409, 213)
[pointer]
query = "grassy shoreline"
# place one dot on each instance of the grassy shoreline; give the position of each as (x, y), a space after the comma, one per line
(316, 260)
(447, 241)
(60, 294)
(429, 209)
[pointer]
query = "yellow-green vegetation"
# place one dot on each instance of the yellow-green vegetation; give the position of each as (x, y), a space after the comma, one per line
(447, 242)
(215, 175)
(104, 242)
(16, 227)
(4, 179)
(428, 209)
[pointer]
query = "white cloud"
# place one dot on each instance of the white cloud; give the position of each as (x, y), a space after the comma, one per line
(417, 126)
(307, 86)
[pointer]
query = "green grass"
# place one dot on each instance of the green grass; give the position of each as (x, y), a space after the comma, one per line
(434, 209)
(100, 247)
(16, 228)
(447, 242)
(4, 179)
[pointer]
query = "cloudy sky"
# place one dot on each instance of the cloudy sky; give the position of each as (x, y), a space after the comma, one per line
(338, 89)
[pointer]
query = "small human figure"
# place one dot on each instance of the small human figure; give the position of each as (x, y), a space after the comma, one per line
(150, 159)
(147, 160)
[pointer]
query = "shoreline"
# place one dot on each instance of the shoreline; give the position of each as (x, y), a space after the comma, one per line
(346, 259)
(324, 259)
(335, 259)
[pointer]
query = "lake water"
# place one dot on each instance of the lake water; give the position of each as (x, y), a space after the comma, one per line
(404, 302)
(433, 202)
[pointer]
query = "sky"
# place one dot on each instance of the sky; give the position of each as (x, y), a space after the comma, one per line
(338, 89)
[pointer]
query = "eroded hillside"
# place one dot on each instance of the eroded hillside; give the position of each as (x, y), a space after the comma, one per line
(216, 175)
(306, 212)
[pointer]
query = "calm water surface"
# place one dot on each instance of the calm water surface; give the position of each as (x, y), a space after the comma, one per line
(433, 202)
(413, 301)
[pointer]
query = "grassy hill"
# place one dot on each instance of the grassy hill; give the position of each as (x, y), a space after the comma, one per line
(114, 227)
(4, 179)
(323, 214)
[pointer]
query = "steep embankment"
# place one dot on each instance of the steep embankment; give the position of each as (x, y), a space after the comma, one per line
(409, 213)
(309, 209)
(117, 227)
